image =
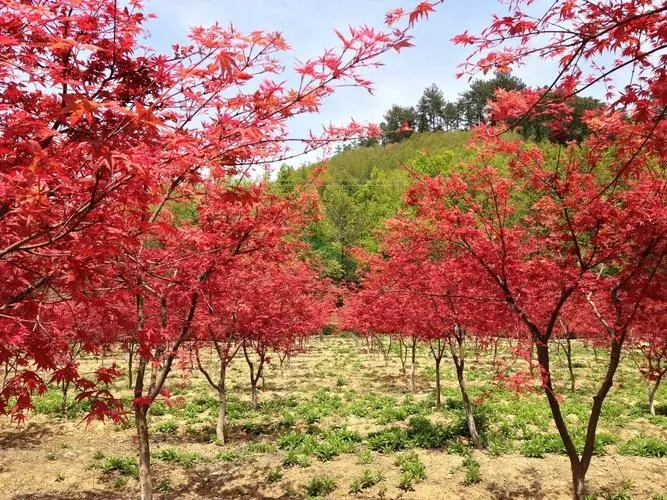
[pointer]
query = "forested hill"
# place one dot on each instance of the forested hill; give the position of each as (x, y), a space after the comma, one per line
(363, 186)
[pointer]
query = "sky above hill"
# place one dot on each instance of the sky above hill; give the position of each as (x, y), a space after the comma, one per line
(308, 27)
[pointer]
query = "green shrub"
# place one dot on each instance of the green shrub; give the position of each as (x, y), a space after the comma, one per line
(228, 456)
(540, 444)
(368, 479)
(166, 427)
(412, 468)
(644, 446)
(471, 466)
(163, 484)
(126, 466)
(184, 458)
(424, 434)
(259, 447)
(365, 457)
(159, 408)
(274, 475)
(294, 458)
(293, 440)
(320, 486)
(391, 439)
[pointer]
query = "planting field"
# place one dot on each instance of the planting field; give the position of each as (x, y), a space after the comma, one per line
(340, 422)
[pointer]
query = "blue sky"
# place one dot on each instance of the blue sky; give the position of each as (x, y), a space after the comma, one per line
(308, 27)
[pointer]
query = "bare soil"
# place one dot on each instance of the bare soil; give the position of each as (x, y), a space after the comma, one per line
(50, 458)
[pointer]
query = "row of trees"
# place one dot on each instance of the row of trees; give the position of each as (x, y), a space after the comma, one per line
(126, 217)
(534, 242)
(125, 222)
(519, 245)
(434, 113)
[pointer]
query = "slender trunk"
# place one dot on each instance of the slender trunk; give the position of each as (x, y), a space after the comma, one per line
(153, 380)
(160, 350)
(225, 357)
(130, 361)
(438, 390)
(413, 368)
(221, 428)
(578, 474)
(141, 423)
(651, 400)
(579, 465)
(570, 368)
(403, 354)
(140, 420)
(458, 356)
(653, 390)
(385, 351)
(253, 386)
(468, 408)
(495, 350)
(282, 358)
(254, 375)
(145, 480)
(63, 405)
(437, 353)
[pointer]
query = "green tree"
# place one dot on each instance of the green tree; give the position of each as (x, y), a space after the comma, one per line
(472, 104)
(431, 110)
(452, 116)
(399, 123)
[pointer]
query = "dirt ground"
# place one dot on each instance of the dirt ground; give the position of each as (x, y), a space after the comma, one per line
(50, 458)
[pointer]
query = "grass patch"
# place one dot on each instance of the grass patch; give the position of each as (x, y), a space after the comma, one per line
(125, 466)
(412, 468)
(644, 446)
(183, 458)
(472, 472)
(368, 479)
(320, 486)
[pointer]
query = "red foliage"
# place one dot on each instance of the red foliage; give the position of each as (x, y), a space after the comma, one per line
(100, 136)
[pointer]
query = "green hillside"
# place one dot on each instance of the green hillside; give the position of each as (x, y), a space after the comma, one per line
(362, 187)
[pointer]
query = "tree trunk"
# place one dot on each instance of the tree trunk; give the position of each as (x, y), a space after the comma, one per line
(254, 376)
(578, 473)
(578, 484)
(63, 405)
(130, 361)
(467, 407)
(141, 423)
(413, 368)
(145, 480)
(651, 403)
(579, 464)
(656, 385)
(140, 420)
(458, 356)
(403, 354)
(651, 397)
(153, 380)
(221, 428)
(568, 354)
(437, 352)
(438, 390)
